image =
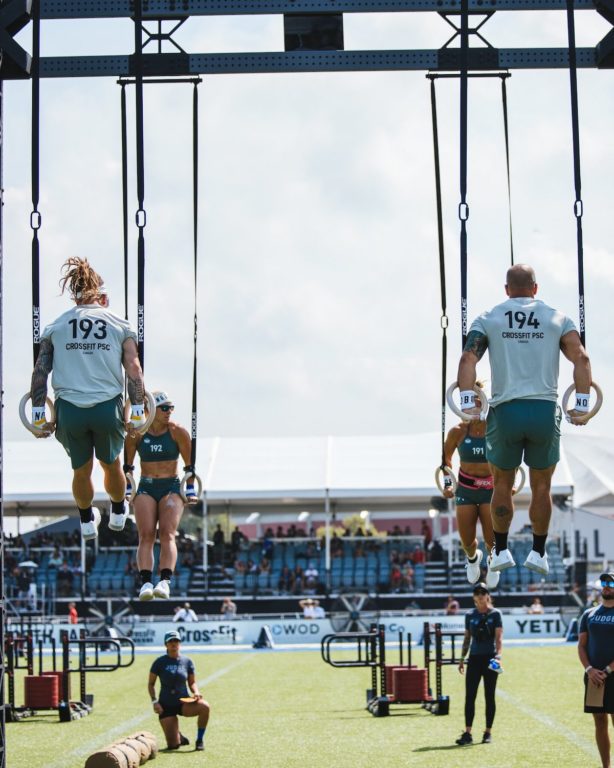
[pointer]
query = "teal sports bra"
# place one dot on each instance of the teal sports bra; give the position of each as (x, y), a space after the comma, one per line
(158, 447)
(473, 449)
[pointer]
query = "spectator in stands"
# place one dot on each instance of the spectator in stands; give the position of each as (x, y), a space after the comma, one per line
(396, 578)
(158, 504)
(596, 654)
(73, 616)
(524, 418)
(408, 577)
(358, 550)
(427, 533)
(291, 532)
(264, 566)
(286, 581)
(64, 580)
(56, 559)
(237, 537)
(218, 544)
(299, 580)
(473, 493)
(435, 552)
(396, 531)
(311, 579)
(336, 545)
(228, 609)
(536, 606)
(279, 533)
(177, 681)
(23, 578)
(418, 555)
(240, 566)
(312, 609)
(483, 642)
(267, 543)
(185, 613)
(452, 606)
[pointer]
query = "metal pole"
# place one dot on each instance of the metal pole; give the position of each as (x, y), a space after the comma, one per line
(2, 595)
(205, 537)
(327, 539)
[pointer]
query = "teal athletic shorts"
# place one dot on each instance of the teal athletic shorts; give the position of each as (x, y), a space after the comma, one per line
(158, 487)
(473, 490)
(529, 429)
(85, 431)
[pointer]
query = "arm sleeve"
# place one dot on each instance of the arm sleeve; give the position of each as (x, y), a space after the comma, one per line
(155, 667)
(567, 325)
(584, 622)
(498, 619)
(467, 625)
(191, 670)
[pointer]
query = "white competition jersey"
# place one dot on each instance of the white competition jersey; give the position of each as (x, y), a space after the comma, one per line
(524, 337)
(87, 354)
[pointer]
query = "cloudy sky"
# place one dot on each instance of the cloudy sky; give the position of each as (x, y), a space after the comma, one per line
(318, 275)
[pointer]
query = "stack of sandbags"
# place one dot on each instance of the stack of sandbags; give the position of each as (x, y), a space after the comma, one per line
(130, 752)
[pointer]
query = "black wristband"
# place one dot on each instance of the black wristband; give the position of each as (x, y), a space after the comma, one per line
(189, 468)
(128, 468)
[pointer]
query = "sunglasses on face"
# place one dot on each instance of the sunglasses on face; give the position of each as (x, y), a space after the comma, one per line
(166, 408)
(608, 584)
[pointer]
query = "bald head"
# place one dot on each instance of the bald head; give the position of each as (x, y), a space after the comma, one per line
(520, 281)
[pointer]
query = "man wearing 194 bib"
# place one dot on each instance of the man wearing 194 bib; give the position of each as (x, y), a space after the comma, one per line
(524, 338)
(86, 348)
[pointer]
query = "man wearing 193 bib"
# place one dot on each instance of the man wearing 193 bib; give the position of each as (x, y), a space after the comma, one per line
(86, 348)
(524, 338)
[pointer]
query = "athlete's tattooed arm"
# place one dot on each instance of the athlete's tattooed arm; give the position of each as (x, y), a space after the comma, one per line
(134, 372)
(477, 343)
(42, 369)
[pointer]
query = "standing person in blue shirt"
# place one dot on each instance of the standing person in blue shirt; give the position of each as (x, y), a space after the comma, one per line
(158, 504)
(85, 348)
(473, 493)
(524, 338)
(177, 681)
(596, 653)
(484, 642)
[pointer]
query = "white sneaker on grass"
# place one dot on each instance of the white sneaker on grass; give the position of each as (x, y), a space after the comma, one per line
(147, 591)
(535, 562)
(162, 589)
(501, 561)
(473, 568)
(89, 530)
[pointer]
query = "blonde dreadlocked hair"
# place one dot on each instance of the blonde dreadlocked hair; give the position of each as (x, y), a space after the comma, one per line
(81, 280)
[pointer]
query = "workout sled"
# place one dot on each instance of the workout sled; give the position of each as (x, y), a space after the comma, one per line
(50, 690)
(395, 684)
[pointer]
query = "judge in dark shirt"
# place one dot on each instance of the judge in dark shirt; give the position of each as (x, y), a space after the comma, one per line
(177, 682)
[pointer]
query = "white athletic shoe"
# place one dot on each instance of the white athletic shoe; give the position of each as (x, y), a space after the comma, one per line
(501, 561)
(162, 589)
(89, 530)
(117, 522)
(147, 591)
(473, 568)
(535, 562)
(492, 577)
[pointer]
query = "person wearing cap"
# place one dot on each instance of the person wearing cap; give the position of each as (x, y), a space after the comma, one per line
(177, 682)
(482, 644)
(86, 348)
(596, 654)
(185, 614)
(158, 504)
(473, 493)
(524, 338)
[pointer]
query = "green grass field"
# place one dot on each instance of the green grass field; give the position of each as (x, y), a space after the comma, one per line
(281, 709)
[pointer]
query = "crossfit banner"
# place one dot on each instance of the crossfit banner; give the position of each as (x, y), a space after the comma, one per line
(295, 631)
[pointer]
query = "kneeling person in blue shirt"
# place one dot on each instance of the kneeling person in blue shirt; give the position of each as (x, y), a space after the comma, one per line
(177, 682)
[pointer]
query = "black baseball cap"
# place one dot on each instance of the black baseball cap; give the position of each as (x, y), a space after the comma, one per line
(481, 589)
(606, 577)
